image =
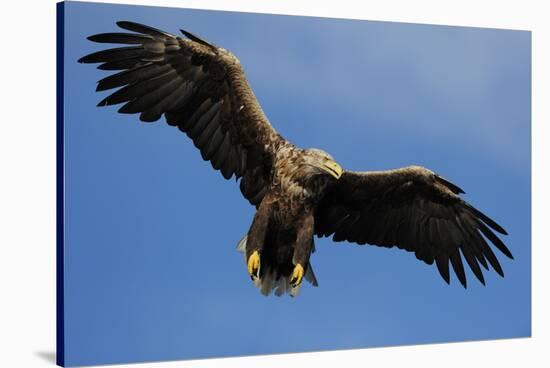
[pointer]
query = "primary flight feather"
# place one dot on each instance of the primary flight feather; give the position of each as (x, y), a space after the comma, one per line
(298, 193)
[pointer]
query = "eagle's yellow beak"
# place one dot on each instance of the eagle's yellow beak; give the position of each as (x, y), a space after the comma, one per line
(333, 169)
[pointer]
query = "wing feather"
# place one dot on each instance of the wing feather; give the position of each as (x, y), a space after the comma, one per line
(124, 38)
(199, 88)
(413, 209)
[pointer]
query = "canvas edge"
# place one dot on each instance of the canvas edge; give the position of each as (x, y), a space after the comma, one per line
(60, 229)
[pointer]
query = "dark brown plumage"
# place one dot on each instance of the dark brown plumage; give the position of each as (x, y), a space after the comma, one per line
(201, 89)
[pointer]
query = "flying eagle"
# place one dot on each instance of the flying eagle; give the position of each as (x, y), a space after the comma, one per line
(298, 193)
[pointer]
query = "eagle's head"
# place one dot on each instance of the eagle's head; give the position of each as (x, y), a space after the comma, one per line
(318, 162)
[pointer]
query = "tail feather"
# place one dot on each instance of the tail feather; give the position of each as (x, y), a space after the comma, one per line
(241, 246)
(271, 281)
(310, 276)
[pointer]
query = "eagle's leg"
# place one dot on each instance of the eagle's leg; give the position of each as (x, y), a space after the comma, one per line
(302, 248)
(256, 238)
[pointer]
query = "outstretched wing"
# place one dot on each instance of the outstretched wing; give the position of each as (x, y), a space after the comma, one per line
(413, 209)
(199, 88)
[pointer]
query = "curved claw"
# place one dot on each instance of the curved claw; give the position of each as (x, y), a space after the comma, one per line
(254, 264)
(297, 275)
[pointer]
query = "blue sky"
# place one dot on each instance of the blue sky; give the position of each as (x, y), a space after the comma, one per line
(144, 213)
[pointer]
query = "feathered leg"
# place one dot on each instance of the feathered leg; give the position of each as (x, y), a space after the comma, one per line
(256, 239)
(302, 249)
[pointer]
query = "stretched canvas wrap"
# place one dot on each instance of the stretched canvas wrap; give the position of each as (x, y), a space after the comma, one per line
(335, 252)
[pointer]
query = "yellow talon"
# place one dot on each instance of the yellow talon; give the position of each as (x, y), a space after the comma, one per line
(254, 264)
(297, 275)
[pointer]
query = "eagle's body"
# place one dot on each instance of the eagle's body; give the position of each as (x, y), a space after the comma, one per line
(202, 90)
(283, 227)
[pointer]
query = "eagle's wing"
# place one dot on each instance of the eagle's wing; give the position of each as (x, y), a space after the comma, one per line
(413, 209)
(199, 88)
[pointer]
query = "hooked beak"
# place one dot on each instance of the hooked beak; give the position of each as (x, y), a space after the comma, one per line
(333, 169)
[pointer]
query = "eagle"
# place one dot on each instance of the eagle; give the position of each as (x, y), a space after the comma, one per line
(298, 193)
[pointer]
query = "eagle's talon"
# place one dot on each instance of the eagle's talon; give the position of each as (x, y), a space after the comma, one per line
(254, 265)
(297, 275)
